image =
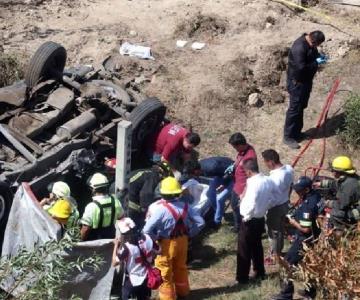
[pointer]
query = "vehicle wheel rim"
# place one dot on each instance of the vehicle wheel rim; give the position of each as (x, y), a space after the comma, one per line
(2, 207)
(146, 127)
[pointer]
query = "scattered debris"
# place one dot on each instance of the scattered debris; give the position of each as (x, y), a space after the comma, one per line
(181, 43)
(197, 46)
(254, 100)
(136, 50)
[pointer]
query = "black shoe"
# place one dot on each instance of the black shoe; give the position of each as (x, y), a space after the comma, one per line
(287, 292)
(291, 143)
(307, 293)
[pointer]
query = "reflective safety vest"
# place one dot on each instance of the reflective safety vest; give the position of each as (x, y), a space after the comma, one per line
(104, 216)
(180, 228)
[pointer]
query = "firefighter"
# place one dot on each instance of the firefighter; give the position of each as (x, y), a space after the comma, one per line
(142, 185)
(345, 209)
(303, 220)
(101, 214)
(60, 190)
(61, 212)
(172, 221)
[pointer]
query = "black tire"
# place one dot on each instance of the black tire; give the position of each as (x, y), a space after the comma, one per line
(5, 204)
(48, 62)
(146, 119)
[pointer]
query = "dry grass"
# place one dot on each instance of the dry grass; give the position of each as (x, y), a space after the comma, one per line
(212, 272)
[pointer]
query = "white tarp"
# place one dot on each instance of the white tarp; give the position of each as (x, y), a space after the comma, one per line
(29, 224)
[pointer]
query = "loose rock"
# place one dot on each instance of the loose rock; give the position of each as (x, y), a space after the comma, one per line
(254, 100)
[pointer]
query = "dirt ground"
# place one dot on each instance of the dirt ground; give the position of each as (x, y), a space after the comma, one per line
(245, 52)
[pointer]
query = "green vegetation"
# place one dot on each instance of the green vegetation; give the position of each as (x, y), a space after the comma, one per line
(351, 132)
(42, 271)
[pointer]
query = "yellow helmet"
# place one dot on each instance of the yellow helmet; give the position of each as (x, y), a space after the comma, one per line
(343, 164)
(61, 209)
(170, 186)
(98, 180)
(60, 189)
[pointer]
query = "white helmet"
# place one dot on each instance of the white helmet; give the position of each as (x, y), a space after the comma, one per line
(60, 189)
(98, 180)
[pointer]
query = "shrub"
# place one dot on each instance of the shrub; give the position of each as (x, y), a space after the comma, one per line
(351, 132)
(44, 270)
(333, 265)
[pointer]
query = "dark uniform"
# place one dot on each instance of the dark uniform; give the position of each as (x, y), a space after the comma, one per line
(345, 209)
(301, 71)
(142, 187)
(305, 214)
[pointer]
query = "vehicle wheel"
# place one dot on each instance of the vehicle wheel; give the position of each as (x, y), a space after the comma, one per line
(48, 62)
(146, 119)
(5, 205)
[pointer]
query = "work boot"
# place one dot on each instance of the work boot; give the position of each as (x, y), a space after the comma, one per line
(307, 293)
(286, 293)
(291, 143)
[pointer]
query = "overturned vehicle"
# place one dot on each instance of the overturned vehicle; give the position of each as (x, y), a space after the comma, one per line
(61, 124)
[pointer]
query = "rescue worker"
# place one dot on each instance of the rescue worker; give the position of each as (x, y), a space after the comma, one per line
(61, 212)
(142, 185)
(345, 209)
(61, 190)
(173, 141)
(133, 248)
(101, 214)
(220, 186)
(171, 221)
(304, 61)
(244, 152)
(303, 220)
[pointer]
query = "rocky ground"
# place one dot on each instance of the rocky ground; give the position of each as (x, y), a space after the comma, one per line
(245, 55)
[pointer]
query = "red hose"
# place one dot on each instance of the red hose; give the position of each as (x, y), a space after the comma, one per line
(322, 120)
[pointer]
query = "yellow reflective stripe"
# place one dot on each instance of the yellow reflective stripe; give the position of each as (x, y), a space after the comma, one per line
(305, 223)
(138, 175)
(134, 206)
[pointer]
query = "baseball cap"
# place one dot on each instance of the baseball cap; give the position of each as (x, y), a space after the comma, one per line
(303, 183)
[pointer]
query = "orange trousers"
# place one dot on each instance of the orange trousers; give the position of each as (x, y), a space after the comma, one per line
(172, 264)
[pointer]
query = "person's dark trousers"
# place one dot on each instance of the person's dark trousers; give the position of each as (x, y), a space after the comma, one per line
(141, 292)
(235, 205)
(250, 249)
(299, 98)
(293, 256)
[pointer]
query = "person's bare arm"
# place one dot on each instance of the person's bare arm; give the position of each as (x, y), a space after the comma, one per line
(84, 232)
(115, 259)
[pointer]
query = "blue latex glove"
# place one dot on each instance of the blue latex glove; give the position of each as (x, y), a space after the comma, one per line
(322, 60)
(230, 169)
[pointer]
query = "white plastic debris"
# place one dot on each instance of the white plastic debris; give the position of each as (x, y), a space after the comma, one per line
(197, 46)
(181, 43)
(136, 50)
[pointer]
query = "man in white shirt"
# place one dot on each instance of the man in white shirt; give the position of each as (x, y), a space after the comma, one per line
(283, 177)
(253, 207)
